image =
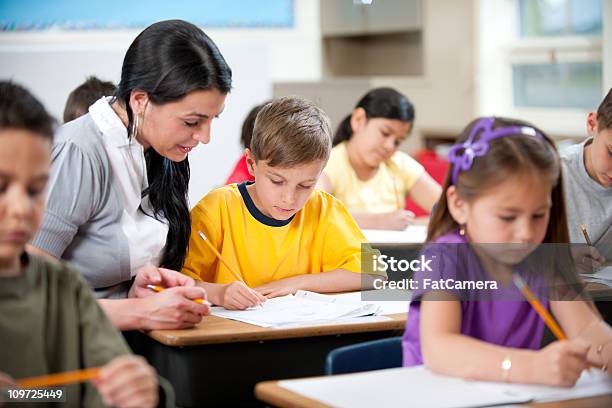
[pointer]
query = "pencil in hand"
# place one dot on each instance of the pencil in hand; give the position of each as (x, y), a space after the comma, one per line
(218, 255)
(586, 234)
(51, 380)
(535, 303)
(160, 289)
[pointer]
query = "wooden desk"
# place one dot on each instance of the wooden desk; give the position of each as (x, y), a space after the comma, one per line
(219, 362)
(275, 395)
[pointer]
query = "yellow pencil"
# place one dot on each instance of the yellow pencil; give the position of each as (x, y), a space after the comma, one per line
(586, 235)
(160, 289)
(535, 303)
(218, 255)
(68, 377)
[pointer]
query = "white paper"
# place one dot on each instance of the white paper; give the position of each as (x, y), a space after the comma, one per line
(419, 387)
(603, 275)
(386, 306)
(305, 308)
(414, 234)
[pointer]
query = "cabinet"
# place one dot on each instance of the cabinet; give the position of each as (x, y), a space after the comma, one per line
(371, 37)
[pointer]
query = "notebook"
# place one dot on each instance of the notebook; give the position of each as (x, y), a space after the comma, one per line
(419, 387)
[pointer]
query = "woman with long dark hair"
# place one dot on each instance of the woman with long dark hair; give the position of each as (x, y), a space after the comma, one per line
(117, 206)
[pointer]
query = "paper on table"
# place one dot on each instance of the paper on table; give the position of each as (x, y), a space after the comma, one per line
(386, 306)
(293, 310)
(417, 386)
(603, 275)
(414, 234)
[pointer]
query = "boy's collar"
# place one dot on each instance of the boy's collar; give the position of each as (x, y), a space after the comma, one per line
(258, 215)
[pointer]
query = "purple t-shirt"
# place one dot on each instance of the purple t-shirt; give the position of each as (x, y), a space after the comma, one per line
(498, 316)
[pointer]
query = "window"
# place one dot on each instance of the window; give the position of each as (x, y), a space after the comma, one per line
(557, 59)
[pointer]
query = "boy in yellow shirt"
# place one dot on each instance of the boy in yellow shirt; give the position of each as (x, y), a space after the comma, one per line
(278, 233)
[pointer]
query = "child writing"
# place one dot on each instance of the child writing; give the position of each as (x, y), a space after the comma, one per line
(49, 319)
(588, 184)
(366, 170)
(278, 233)
(503, 188)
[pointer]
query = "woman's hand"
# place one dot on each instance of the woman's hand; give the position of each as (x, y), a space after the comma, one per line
(561, 363)
(238, 296)
(128, 381)
(174, 308)
(151, 275)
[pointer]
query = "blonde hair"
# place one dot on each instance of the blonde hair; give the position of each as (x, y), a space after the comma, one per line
(290, 131)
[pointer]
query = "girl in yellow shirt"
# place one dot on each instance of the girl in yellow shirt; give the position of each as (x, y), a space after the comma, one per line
(366, 170)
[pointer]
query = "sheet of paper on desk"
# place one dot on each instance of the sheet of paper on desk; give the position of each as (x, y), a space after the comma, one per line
(414, 234)
(390, 306)
(419, 387)
(603, 275)
(291, 310)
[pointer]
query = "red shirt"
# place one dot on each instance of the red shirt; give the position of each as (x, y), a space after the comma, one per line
(240, 172)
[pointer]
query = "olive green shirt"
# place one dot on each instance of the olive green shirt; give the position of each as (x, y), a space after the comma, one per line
(50, 322)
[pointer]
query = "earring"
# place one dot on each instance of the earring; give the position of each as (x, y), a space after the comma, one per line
(135, 126)
(462, 229)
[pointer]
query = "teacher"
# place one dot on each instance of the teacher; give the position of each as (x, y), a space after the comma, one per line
(117, 200)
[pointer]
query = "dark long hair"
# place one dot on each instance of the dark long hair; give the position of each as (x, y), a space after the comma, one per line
(507, 156)
(378, 103)
(168, 60)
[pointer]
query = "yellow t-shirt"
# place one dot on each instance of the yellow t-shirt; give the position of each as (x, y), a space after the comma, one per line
(383, 192)
(320, 237)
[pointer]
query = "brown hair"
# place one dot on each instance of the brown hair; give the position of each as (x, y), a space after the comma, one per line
(84, 95)
(290, 131)
(604, 113)
(507, 156)
(19, 109)
(249, 123)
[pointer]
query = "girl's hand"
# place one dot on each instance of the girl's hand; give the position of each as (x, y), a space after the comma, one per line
(561, 363)
(151, 275)
(396, 220)
(128, 381)
(282, 287)
(238, 296)
(174, 308)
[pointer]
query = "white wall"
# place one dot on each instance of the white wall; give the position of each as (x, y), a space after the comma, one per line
(52, 63)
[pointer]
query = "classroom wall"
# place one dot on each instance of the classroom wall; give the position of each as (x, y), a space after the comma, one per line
(52, 63)
(607, 44)
(444, 96)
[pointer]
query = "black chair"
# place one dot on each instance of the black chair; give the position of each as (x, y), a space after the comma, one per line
(368, 356)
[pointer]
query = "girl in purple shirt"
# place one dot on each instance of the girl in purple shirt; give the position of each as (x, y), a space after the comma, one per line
(502, 198)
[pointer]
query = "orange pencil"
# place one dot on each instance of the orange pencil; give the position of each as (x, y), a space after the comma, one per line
(218, 255)
(68, 377)
(535, 303)
(160, 289)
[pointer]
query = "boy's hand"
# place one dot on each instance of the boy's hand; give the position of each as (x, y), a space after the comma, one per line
(587, 258)
(6, 381)
(128, 381)
(561, 363)
(152, 275)
(174, 308)
(396, 220)
(281, 287)
(238, 296)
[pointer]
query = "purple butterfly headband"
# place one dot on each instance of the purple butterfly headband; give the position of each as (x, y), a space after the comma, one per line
(462, 155)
